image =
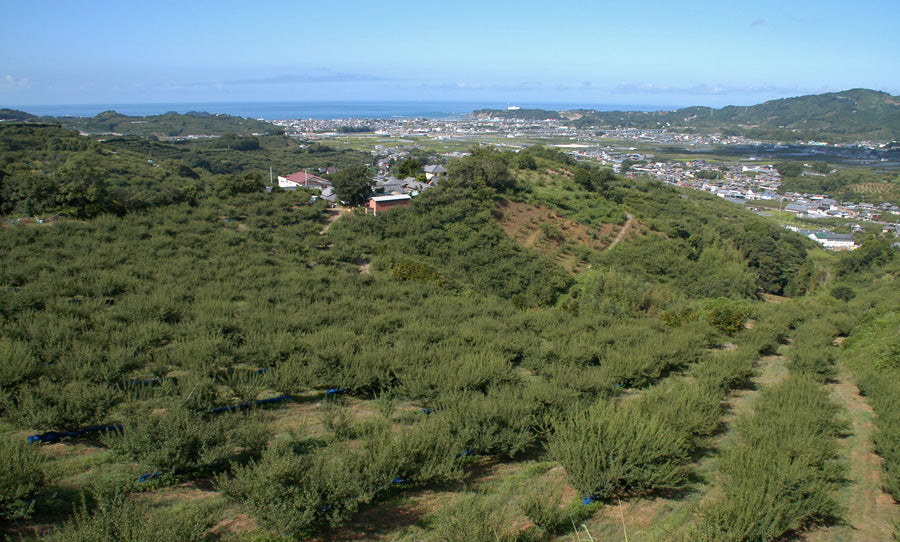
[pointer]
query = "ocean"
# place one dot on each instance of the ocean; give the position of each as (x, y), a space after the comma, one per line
(318, 110)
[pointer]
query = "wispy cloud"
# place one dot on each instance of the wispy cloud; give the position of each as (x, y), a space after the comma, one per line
(758, 22)
(288, 79)
(9, 83)
(451, 86)
(308, 78)
(522, 86)
(703, 90)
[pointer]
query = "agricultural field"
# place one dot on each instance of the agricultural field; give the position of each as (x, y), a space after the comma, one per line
(535, 350)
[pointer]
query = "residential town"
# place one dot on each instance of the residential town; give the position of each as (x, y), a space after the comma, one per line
(745, 182)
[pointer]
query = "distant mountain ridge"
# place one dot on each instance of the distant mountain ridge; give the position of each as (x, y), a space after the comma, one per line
(851, 115)
(168, 125)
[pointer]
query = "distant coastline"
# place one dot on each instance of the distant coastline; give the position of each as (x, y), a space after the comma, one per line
(318, 110)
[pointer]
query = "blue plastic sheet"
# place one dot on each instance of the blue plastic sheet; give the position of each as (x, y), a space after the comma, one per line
(335, 391)
(149, 476)
(56, 436)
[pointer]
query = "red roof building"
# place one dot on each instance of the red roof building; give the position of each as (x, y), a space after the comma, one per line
(301, 179)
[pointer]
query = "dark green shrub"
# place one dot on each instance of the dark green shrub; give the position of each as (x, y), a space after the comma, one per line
(408, 269)
(426, 453)
(611, 450)
(475, 518)
(725, 370)
(689, 407)
(178, 440)
(56, 405)
(497, 423)
(769, 493)
(843, 293)
(116, 517)
(297, 494)
(21, 475)
(817, 361)
(337, 419)
(781, 472)
(543, 505)
(17, 362)
(726, 315)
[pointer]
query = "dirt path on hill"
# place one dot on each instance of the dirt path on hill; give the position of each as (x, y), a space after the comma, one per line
(333, 214)
(770, 370)
(870, 512)
(625, 229)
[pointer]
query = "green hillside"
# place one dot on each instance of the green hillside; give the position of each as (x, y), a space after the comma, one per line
(167, 125)
(201, 360)
(851, 115)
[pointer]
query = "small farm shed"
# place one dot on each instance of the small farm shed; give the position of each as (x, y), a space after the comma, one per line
(383, 203)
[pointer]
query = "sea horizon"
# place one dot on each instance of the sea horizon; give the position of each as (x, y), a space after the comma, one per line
(320, 110)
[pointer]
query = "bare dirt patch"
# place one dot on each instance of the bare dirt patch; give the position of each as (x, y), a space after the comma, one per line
(241, 523)
(870, 512)
(619, 520)
(626, 229)
(383, 520)
(187, 491)
(363, 265)
(554, 236)
(332, 215)
(770, 370)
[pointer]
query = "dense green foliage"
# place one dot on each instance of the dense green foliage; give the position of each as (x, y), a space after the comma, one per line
(443, 343)
(872, 351)
(452, 228)
(112, 515)
(21, 475)
(707, 251)
(47, 170)
(169, 125)
(485, 166)
(353, 185)
(846, 184)
(781, 472)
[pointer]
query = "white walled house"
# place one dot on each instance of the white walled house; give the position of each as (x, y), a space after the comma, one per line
(301, 179)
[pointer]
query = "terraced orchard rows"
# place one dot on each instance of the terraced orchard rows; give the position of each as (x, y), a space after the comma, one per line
(229, 369)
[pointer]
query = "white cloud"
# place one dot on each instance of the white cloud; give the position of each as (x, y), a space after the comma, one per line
(703, 90)
(9, 83)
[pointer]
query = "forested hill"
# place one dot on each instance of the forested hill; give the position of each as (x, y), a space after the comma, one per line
(168, 125)
(851, 115)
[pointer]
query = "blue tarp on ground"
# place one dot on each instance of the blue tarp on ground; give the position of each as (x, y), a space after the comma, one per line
(56, 436)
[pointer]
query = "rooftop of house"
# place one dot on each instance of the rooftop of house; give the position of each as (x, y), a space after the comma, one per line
(302, 177)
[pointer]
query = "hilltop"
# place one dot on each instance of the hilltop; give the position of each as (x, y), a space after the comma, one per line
(170, 124)
(851, 115)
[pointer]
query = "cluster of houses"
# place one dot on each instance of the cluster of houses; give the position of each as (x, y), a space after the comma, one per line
(819, 206)
(827, 238)
(388, 184)
(389, 191)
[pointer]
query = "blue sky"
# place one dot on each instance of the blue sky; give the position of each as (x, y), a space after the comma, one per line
(640, 52)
